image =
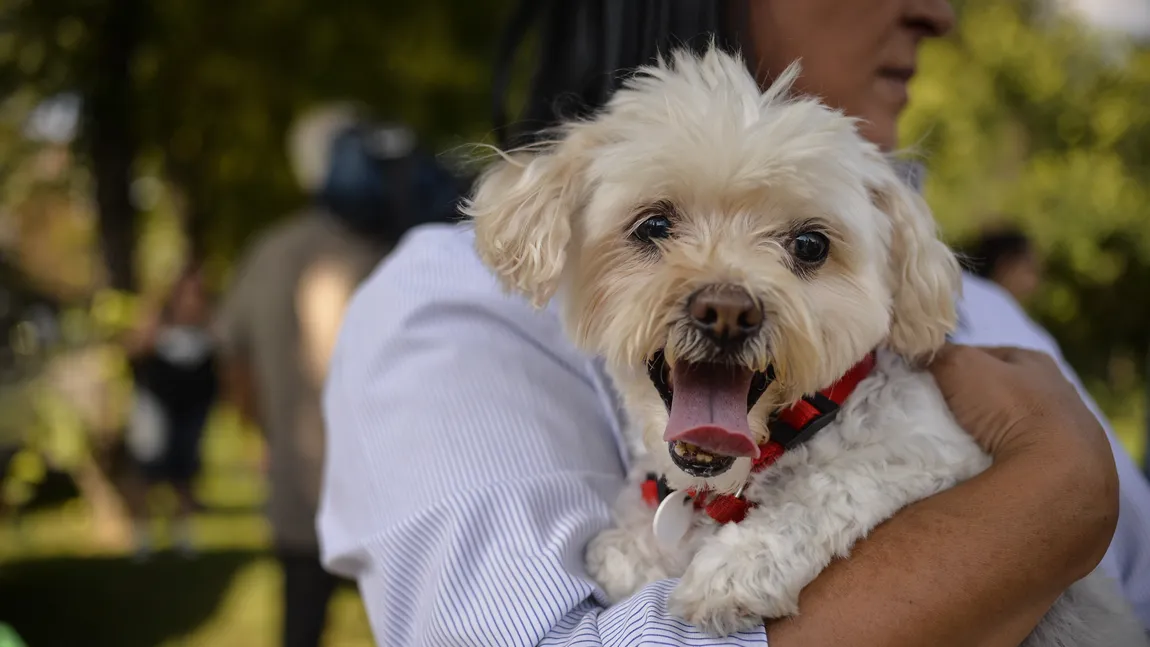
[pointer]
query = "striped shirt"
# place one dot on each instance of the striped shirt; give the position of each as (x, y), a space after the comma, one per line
(473, 452)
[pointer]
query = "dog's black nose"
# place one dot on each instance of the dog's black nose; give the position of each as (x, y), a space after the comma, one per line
(725, 313)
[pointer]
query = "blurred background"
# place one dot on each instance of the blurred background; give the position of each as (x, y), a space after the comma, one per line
(137, 136)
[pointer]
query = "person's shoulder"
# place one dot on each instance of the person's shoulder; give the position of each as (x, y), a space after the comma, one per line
(446, 247)
(432, 262)
(435, 273)
(433, 302)
(268, 246)
(990, 316)
(984, 294)
(285, 230)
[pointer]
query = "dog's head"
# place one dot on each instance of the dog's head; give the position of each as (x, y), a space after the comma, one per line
(708, 237)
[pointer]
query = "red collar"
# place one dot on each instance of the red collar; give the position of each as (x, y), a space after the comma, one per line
(790, 428)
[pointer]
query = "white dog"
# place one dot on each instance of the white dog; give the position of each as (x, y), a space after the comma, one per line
(732, 254)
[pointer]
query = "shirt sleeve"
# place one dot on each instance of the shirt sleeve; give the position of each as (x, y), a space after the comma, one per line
(990, 317)
(470, 458)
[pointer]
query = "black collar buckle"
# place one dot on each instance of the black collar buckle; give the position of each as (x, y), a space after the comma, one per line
(789, 437)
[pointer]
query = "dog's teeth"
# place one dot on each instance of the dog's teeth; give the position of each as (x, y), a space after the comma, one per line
(680, 450)
(704, 458)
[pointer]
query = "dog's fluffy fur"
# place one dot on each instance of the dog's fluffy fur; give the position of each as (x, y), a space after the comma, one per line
(739, 172)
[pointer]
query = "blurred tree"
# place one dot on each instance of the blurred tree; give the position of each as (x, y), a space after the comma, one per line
(108, 134)
(86, 46)
(185, 104)
(1026, 116)
(1020, 113)
(202, 93)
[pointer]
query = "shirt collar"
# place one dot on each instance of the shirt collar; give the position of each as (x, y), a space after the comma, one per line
(912, 172)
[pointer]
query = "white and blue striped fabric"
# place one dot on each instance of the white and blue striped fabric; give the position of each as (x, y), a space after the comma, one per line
(472, 453)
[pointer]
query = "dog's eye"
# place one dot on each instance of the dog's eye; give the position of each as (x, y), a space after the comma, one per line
(653, 228)
(811, 248)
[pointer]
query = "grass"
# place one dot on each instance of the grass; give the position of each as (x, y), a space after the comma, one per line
(58, 587)
(224, 598)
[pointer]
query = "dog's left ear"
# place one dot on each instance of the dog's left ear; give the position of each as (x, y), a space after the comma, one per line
(522, 209)
(924, 273)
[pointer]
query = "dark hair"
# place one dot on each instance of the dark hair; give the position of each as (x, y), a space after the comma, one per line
(994, 247)
(380, 189)
(587, 47)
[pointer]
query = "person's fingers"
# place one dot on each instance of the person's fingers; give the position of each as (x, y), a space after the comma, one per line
(1023, 357)
(947, 356)
(946, 352)
(1008, 354)
(1044, 360)
(952, 354)
(957, 367)
(955, 359)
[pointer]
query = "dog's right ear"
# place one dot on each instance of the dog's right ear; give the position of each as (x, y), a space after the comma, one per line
(925, 274)
(522, 209)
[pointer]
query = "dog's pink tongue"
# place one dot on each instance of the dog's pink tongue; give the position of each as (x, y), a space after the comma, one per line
(709, 409)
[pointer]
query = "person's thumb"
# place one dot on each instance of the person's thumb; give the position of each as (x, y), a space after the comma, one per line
(957, 361)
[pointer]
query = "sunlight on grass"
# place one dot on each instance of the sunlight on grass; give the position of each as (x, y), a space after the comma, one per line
(234, 585)
(250, 616)
(248, 611)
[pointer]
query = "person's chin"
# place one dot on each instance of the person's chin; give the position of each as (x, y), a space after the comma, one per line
(893, 92)
(881, 128)
(887, 103)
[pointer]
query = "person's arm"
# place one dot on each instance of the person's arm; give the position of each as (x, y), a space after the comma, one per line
(469, 460)
(230, 329)
(982, 562)
(239, 388)
(324, 289)
(993, 318)
(1128, 559)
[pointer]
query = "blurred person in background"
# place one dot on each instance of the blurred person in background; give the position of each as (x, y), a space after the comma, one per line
(1006, 256)
(473, 451)
(173, 360)
(278, 323)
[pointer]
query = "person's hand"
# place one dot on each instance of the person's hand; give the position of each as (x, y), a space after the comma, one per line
(1022, 410)
(1010, 398)
(979, 563)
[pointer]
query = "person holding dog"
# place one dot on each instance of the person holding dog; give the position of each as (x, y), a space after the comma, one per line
(472, 451)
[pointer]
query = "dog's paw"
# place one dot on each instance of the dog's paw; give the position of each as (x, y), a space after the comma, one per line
(718, 616)
(620, 564)
(724, 593)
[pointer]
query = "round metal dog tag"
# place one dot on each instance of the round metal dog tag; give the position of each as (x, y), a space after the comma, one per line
(673, 518)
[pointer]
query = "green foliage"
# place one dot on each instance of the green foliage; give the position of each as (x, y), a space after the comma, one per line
(1021, 116)
(1027, 118)
(215, 85)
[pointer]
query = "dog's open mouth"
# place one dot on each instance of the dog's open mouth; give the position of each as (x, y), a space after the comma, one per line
(708, 405)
